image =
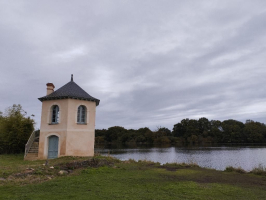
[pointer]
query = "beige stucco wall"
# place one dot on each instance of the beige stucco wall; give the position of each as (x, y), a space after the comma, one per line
(74, 139)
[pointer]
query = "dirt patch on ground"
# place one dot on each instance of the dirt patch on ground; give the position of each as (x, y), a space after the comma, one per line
(84, 164)
(172, 169)
(233, 178)
(44, 172)
(205, 176)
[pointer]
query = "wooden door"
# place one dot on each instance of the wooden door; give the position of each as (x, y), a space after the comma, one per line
(53, 147)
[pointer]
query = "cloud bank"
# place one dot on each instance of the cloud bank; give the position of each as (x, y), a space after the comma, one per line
(150, 63)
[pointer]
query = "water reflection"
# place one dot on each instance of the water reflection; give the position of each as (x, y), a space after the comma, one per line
(218, 157)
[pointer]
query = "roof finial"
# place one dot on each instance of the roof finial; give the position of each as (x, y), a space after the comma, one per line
(72, 77)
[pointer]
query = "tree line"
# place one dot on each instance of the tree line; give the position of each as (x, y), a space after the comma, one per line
(15, 129)
(188, 131)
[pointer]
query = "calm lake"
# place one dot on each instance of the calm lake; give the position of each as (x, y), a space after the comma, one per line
(218, 157)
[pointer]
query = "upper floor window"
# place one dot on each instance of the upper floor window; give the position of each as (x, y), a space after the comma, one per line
(81, 117)
(55, 114)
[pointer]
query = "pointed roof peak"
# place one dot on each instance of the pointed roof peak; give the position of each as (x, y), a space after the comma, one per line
(70, 91)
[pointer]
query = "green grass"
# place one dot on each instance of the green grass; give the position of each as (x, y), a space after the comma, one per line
(112, 179)
(14, 163)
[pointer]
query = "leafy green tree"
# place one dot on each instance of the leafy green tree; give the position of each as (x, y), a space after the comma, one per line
(255, 132)
(99, 132)
(114, 133)
(165, 131)
(192, 128)
(204, 125)
(216, 130)
(141, 139)
(126, 137)
(179, 129)
(15, 130)
(189, 131)
(232, 131)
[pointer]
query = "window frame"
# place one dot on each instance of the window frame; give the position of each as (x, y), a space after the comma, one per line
(82, 115)
(55, 114)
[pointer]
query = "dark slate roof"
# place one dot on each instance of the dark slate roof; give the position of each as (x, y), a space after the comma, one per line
(70, 91)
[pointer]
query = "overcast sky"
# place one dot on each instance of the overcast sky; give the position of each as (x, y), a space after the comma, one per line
(151, 63)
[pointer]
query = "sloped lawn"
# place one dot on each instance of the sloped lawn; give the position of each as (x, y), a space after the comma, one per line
(108, 178)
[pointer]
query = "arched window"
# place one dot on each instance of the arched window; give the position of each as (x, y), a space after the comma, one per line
(55, 114)
(81, 115)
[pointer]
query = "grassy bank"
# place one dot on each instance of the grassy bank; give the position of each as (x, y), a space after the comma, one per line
(108, 178)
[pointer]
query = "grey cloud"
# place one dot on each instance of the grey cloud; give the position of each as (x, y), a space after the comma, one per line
(151, 63)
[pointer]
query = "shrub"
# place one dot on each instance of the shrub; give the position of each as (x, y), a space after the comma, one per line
(232, 169)
(260, 170)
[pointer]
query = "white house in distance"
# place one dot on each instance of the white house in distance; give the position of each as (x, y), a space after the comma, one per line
(67, 124)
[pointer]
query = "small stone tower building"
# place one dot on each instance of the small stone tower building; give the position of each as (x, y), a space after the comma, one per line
(67, 122)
